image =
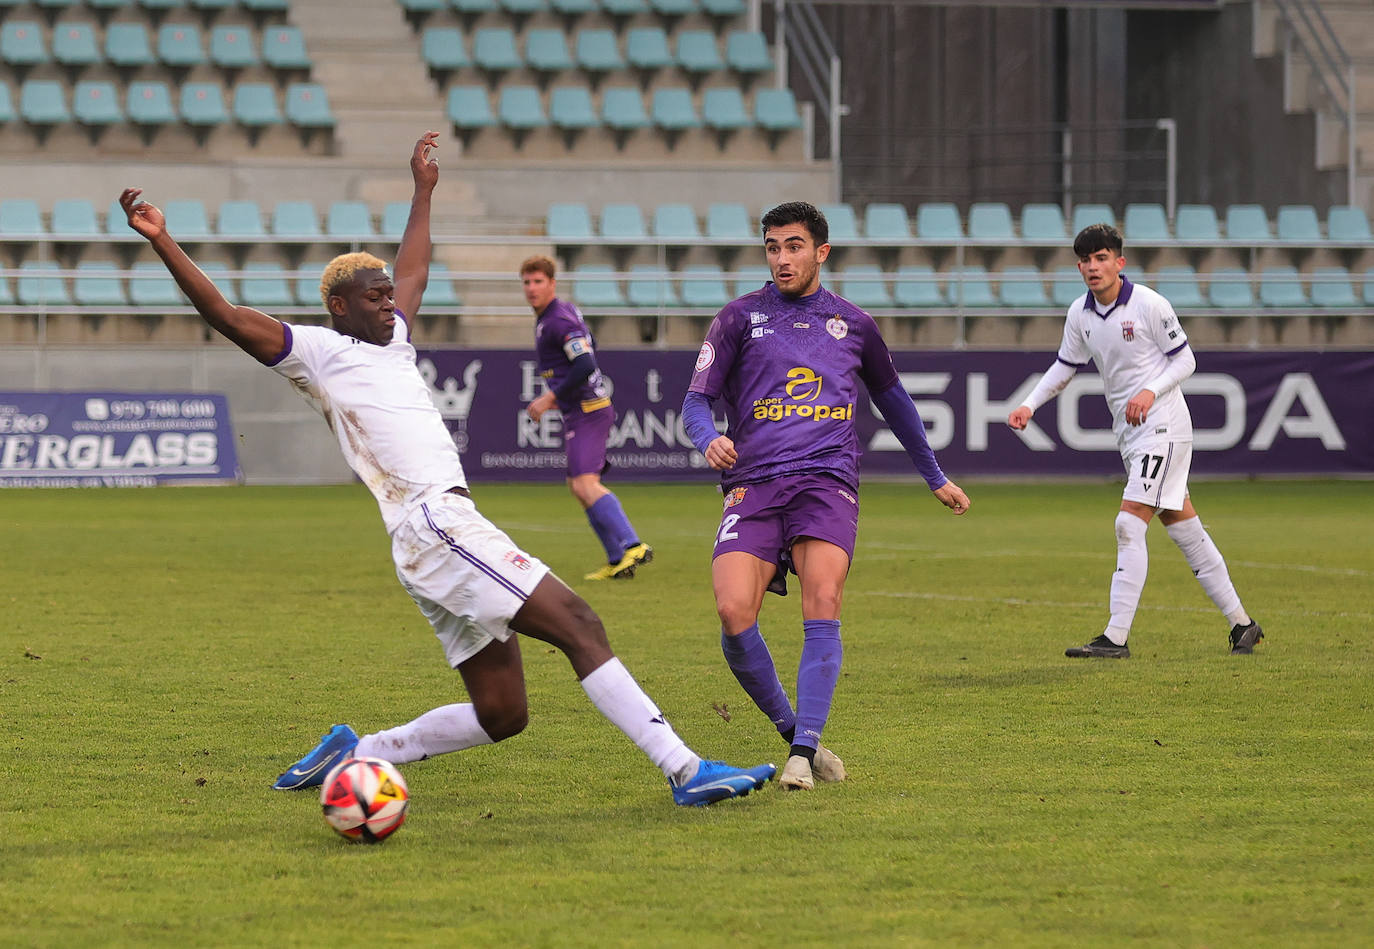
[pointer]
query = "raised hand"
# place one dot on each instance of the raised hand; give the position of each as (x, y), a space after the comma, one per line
(144, 218)
(423, 168)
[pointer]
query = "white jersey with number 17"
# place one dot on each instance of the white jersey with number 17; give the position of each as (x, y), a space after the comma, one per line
(1131, 342)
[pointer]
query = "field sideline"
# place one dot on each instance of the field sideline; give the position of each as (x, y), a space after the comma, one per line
(167, 652)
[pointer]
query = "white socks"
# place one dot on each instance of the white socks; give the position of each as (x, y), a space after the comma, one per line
(1209, 568)
(445, 729)
(1132, 564)
(618, 696)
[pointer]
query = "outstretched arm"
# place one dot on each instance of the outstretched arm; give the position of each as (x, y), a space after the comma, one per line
(412, 257)
(1050, 385)
(253, 331)
(905, 421)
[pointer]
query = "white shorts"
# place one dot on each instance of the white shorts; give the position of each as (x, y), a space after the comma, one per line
(466, 576)
(1157, 474)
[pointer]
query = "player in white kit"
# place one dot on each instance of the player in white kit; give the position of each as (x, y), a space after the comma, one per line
(1134, 337)
(470, 581)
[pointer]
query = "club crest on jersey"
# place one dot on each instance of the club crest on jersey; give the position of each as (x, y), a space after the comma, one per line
(837, 327)
(517, 560)
(735, 496)
(1128, 331)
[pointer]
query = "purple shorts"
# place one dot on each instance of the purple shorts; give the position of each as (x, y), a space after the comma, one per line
(765, 519)
(584, 439)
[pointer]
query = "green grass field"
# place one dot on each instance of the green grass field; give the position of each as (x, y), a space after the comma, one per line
(167, 652)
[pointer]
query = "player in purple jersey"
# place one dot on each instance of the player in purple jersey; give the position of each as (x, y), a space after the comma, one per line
(476, 588)
(567, 362)
(788, 361)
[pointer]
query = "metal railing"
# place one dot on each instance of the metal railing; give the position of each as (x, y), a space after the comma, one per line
(1331, 66)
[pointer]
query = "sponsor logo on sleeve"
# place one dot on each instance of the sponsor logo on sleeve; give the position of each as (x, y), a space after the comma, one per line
(706, 356)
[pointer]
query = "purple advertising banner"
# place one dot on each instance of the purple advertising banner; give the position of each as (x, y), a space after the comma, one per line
(114, 439)
(1253, 413)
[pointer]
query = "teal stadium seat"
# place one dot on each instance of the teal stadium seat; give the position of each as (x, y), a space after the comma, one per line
(724, 9)
(520, 108)
(649, 288)
(296, 219)
(1179, 285)
(546, 51)
(865, 286)
(673, 9)
(37, 287)
(349, 221)
(594, 288)
(1298, 224)
(569, 222)
(161, 5)
(202, 105)
(991, 221)
(210, 6)
(21, 43)
(844, 224)
(1247, 222)
(752, 278)
(471, 9)
(703, 286)
(1145, 224)
(1067, 286)
(20, 217)
(218, 272)
(394, 217)
(597, 52)
(939, 221)
(444, 49)
(887, 222)
(440, 291)
(149, 104)
(128, 46)
(776, 110)
(266, 6)
(1229, 289)
(915, 286)
(672, 110)
(646, 48)
(723, 110)
(307, 284)
(267, 287)
(186, 219)
(971, 286)
(96, 104)
(74, 218)
(417, 9)
(623, 9)
(622, 109)
(43, 103)
(469, 109)
(1085, 215)
(98, 284)
(728, 221)
(697, 54)
(240, 218)
(572, 9)
(523, 8)
(233, 47)
(1197, 223)
(73, 44)
(1281, 287)
(105, 5)
(307, 106)
(1331, 288)
(1347, 224)
(152, 287)
(623, 221)
(283, 47)
(116, 221)
(1022, 288)
(676, 222)
(571, 108)
(746, 52)
(179, 45)
(255, 105)
(1042, 223)
(493, 49)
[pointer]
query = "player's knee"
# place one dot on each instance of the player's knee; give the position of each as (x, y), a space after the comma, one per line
(505, 720)
(735, 616)
(822, 603)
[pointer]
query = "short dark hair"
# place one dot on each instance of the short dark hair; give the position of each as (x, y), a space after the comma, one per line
(1097, 237)
(799, 212)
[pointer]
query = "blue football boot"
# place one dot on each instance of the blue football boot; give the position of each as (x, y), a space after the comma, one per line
(310, 771)
(716, 781)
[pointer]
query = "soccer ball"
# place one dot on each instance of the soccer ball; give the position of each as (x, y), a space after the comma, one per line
(365, 799)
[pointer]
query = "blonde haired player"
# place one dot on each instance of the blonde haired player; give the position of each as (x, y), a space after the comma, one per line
(1134, 336)
(468, 579)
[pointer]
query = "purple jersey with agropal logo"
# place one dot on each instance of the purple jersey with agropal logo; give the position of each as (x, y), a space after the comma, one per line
(560, 336)
(789, 372)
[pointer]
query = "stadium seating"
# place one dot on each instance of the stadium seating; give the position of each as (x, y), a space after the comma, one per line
(623, 221)
(646, 49)
(592, 288)
(233, 47)
(7, 113)
(597, 53)
(43, 103)
(21, 217)
(149, 105)
(1347, 224)
(571, 109)
(568, 222)
(469, 110)
(649, 288)
(494, 50)
(444, 50)
(439, 291)
(240, 219)
(21, 43)
(297, 219)
(1197, 223)
(152, 287)
(307, 106)
(622, 110)
(887, 222)
(746, 53)
(546, 51)
(1229, 288)
(1085, 215)
(74, 45)
(1043, 222)
(1023, 288)
(1298, 224)
(915, 286)
(520, 108)
(127, 45)
(255, 105)
(938, 221)
(844, 223)
(179, 45)
(186, 219)
(1066, 286)
(703, 285)
(268, 287)
(776, 110)
(202, 105)
(1280, 286)
(96, 104)
(672, 111)
(676, 222)
(283, 48)
(1247, 222)
(394, 217)
(36, 287)
(971, 287)
(1179, 285)
(864, 286)
(724, 111)
(74, 218)
(697, 54)
(987, 221)
(98, 285)
(1145, 224)
(349, 221)
(1332, 289)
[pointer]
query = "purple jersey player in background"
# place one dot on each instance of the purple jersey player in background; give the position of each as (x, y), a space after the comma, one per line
(566, 361)
(788, 361)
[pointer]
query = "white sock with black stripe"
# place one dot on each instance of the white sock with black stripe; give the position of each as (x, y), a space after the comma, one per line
(1132, 564)
(1209, 567)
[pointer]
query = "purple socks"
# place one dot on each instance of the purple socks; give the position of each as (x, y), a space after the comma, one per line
(612, 527)
(817, 674)
(751, 662)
